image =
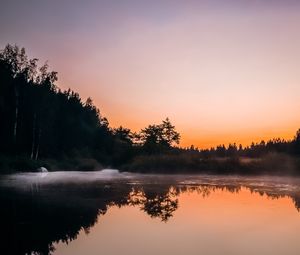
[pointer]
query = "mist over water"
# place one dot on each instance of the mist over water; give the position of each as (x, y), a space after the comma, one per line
(24, 179)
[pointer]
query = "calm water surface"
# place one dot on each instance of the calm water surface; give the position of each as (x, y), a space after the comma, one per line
(111, 213)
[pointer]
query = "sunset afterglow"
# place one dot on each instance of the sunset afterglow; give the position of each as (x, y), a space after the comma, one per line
(222, 71)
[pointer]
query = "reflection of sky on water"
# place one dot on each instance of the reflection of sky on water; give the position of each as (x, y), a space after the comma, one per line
(195, 213)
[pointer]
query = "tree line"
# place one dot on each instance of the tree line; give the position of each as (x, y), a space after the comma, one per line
(259, 149)
(41, 121)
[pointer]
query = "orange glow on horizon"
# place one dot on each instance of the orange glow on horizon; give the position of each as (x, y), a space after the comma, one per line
(205, 138)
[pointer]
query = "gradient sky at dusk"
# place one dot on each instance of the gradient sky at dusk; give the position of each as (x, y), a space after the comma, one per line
(222, 71)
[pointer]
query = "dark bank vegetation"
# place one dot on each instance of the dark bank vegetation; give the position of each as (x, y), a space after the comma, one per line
(42, 125)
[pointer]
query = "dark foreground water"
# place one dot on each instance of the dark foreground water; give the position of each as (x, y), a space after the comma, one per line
(112, 213)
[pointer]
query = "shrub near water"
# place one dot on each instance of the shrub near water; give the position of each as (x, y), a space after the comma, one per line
(271, 163)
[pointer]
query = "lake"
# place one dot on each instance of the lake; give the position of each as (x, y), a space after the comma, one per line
(107, 212)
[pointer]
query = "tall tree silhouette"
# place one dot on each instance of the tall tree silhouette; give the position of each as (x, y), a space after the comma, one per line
(156, 138)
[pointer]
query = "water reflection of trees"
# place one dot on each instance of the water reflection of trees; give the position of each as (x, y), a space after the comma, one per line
(34, 221)
(158, 205)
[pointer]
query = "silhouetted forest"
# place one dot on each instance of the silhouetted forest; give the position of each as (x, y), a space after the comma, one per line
(42, 125)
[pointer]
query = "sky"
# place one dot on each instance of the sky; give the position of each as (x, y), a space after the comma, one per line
(222, 70)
